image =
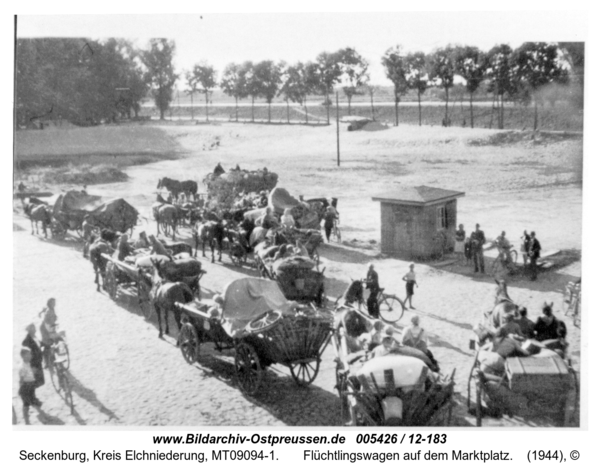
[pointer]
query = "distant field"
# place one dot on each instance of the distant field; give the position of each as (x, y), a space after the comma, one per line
(558, 118)
(60, 145)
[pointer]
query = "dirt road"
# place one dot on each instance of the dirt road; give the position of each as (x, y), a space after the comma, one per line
(124, 375)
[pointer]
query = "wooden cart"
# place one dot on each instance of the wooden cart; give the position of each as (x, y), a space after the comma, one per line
(369, 401)
(295, 339)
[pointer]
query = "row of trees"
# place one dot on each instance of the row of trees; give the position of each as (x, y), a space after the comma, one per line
(88, 82)
(519, 75)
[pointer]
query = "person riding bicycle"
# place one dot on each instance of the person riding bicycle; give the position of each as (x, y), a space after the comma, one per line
(372, 283)
(504, 247)
(48, 328)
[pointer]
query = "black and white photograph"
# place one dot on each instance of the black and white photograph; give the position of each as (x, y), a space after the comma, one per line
(280, 220)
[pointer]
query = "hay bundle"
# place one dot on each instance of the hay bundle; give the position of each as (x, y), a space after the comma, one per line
(224, 189)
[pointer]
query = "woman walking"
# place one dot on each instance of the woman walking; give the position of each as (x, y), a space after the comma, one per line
(411, 281)
(459, 244)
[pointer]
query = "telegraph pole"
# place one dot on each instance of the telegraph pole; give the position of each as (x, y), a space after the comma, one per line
(337, 123)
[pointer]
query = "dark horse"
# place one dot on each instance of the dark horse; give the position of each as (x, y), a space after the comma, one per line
(353, 294)
(39, 213)
(164, 295)
(103, 245)
(213, 232)
(189, 187)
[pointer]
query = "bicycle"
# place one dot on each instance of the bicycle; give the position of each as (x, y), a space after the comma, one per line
(572, 303)
(390, 307)
(506, 261)
(59, 362)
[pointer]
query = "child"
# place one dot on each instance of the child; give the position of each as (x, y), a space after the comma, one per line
(411, 281)
(27, 384)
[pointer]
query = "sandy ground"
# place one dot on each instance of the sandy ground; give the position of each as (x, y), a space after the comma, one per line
(124, 375)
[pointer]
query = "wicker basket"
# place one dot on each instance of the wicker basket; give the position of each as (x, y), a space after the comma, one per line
(296, 337)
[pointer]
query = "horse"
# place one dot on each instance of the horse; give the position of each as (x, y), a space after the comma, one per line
(213, 232)
(164, 295)
(186, 270)
(167, 215)
(503, 306)
(353, 294)
(39, 213)
(189, 187)
(99, 263)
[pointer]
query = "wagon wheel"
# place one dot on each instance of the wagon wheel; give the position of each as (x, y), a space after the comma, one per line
(315, 257)
(58, 230)
(265, 322)
(144, 298)
(479, 399)
(111, 282)
(248, 371)
(305, 372)
(189, 343)
(391, 308)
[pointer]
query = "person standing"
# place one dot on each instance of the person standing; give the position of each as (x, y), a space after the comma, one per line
(48, 328)
(534, 254)
(524, 248)
(411, 281)
(27, 384)
(459, 244)
(35, 348)
(372, 284)
(477, 242)
(330, 216)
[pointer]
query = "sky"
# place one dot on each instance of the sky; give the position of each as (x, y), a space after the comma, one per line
(221, 38)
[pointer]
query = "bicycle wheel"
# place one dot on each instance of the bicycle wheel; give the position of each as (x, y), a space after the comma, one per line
(67, 390)
(391, 308)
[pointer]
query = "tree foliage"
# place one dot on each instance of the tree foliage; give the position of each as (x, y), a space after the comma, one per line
(396, 70)
(471, 65)
(354, 74)
(204, 77)
(442, 71)
(160, 73)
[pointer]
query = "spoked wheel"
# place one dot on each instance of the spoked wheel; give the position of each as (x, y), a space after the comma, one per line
(63, 351)
(305, 372)
(478, 401)
(189, 343)
(111, 282)
(248, 371)
(60, 381)
(391, 308)
(144, 299)
(265, 322)
(315, 257)
(58, 230)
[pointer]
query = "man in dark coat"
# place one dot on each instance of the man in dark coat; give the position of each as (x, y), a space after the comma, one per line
(534, 254)
(477, 242)
(372, 283)
(34, 346)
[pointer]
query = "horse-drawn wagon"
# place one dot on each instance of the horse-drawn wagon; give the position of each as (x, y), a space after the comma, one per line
(540, 386)
(263, 328)
(390, 385)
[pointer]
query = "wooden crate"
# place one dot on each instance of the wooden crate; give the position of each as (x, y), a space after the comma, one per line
(538, 376)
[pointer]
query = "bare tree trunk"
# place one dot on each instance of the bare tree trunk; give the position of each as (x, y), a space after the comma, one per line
(252, 108)
(397, 103)
(305, 111)
(288, 110)
(269, 111)
(327, 104)
(471, 103)
(501, 120)
(419, 100)
(535, 113)
(236, 109)
(206, 98)
(349, 107)
(372, 107)
(447, 99)
(192, 98)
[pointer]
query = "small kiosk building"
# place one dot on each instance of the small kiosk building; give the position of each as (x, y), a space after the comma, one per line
(416, 222)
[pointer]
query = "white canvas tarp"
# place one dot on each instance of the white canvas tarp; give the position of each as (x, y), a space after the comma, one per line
(247, 299)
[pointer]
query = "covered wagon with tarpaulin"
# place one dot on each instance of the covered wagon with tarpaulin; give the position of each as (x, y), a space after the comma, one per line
(71, 208)
(263, 327)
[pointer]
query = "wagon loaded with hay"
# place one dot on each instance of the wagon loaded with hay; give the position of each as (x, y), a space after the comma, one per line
(263, 327)
(223, 188)
(69, 210)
